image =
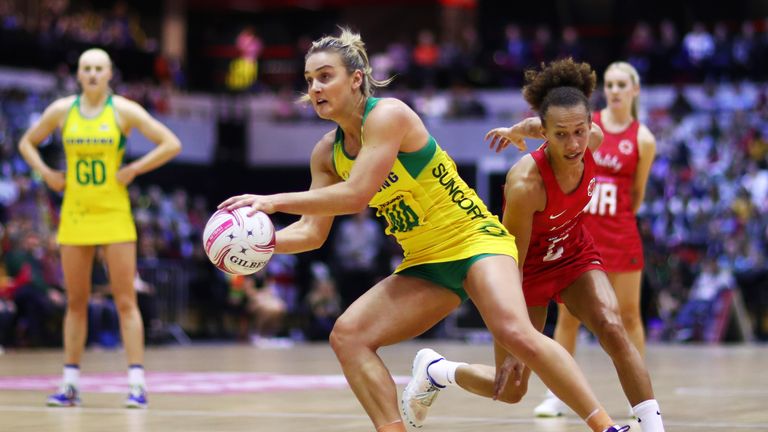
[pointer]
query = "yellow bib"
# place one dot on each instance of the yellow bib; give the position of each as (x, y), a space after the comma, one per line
(429, 209)
(96, 208)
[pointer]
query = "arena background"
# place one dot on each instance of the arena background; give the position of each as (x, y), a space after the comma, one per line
(225, 76)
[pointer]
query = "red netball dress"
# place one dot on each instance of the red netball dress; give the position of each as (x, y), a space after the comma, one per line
(560, 249)
(609, 217)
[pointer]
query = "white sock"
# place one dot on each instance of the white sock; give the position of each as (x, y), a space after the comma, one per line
(71, 375)
(443, 373)
(136, 376)
(649, 416)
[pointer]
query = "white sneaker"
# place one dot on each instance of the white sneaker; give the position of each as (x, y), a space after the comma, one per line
(552, 406)
(421, 391)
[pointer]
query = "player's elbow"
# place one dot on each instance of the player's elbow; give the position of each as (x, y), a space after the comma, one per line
(174, 146)
(315, 241)
(355, 202)
(358, 206)
(24, 144)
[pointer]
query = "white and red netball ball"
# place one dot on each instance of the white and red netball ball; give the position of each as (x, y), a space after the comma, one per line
(237, 243)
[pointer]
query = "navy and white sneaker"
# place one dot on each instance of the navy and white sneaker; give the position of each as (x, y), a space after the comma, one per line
(68, 396)
(616, 428)
(137, 398)
(421, 391)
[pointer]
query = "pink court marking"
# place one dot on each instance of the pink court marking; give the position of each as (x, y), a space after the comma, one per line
(189, 382)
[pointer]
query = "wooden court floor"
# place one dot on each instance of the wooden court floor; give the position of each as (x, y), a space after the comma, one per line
(297, 389)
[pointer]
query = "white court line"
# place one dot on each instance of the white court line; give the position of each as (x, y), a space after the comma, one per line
(289, 415)
(719, 392)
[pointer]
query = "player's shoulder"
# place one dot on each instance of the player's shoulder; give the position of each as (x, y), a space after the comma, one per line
(324, 145)
(524, 177)
(122, 103)
(389, 109)
(644, 134)
(62, 104)
(328, 139)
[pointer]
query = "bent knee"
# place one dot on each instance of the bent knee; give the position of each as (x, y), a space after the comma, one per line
(345, 334)
(514, 396)
(519, 341)
(612, 335)
(631, 319)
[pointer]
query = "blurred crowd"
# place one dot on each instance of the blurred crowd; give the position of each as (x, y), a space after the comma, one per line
(701, 222)
(705, 237)
(54, 21)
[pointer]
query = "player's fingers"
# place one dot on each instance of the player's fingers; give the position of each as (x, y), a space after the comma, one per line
(494, 140)
(500, 382)
(518, 374)
(255, 207)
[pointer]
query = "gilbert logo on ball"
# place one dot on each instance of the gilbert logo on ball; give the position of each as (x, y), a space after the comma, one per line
(237, 243)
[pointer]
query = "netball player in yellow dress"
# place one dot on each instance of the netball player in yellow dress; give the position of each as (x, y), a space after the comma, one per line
(96, 210)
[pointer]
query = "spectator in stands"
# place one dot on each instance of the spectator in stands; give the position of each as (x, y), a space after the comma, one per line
(38, 304)
(543, 48)
(356, 245)
(671, 63)
(570, 45)
(699, 46)
(263, 311)
(426, 54)
(323, 304)
(243, 70)
(640, 48)
(513, 58)
(463, 103)
(721, 63)
(692, 319)
(744, 51)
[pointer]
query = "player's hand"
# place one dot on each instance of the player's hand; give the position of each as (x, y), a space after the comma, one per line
(262, 203)
(502, 137)
(55, 180)
(126, 175)
(510, 368)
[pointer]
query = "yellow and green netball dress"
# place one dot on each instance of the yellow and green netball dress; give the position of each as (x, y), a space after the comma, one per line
(429, 209)
(96, 209)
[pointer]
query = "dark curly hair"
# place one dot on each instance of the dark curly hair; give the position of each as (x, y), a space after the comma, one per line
(563, 83)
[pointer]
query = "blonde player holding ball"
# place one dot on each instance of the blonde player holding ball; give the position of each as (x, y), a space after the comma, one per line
(381, 155)
(96, 211)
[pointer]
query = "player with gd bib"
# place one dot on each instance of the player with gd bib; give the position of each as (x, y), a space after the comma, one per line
(96, 210)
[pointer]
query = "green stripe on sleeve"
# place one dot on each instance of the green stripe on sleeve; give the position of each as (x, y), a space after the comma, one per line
(415, 162)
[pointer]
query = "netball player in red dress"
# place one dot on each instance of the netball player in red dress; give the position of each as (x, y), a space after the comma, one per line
(623, 163)
(545, 194)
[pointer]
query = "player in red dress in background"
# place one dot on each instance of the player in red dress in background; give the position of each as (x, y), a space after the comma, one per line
(545, 194)
(623, 163)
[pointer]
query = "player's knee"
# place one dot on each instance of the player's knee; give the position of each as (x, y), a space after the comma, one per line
(125, 306)
(514, 395)
(345, 333)
(612, 334)
(631, 318)
(518, 341)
